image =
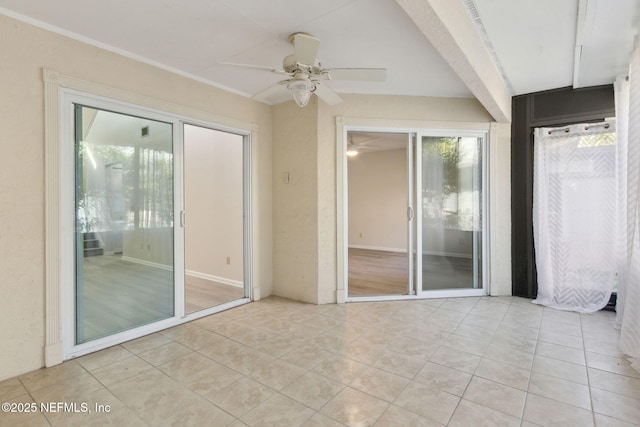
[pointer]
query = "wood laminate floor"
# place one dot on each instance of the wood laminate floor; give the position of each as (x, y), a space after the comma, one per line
(377, 272)
(201, 293)
(118, 295)
(373, 272)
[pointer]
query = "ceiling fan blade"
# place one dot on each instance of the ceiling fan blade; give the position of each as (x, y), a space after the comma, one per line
(367, 141)
(253, 67)
(268, 92)
(362, 74)
(306, 49)
(327, 94)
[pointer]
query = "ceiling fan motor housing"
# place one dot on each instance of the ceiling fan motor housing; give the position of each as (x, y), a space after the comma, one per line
(315, 72)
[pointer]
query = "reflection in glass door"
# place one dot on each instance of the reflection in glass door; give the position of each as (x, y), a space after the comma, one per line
(124, 222)
(214, 217)
(380, 214)
(450, 183)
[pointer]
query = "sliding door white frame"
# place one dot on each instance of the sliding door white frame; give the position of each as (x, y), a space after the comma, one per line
(61, 92)
(431, 128)
(474, 290)
(411, 213)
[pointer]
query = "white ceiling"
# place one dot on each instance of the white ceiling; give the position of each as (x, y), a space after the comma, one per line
(533, 42)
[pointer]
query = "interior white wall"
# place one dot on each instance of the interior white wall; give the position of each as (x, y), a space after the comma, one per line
(213, 203)
(26, 50)
(378, 200)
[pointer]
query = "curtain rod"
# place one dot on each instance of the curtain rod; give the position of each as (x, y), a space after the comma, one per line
(595, 125)
(587, 127)
(565, 130)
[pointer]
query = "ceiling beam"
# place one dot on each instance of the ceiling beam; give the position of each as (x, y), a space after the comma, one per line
(577, 52)
(449, 28)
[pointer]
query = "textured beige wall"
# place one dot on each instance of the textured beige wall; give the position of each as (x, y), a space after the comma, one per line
(25, 51)
(295, 204)
(378, 199)
(500, 210)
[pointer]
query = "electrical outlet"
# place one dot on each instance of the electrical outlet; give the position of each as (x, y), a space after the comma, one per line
(228, 260)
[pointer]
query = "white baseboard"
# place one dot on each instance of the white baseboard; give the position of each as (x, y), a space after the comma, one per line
(212, 278)
(378, 248)
(450, 254)
(148, 263)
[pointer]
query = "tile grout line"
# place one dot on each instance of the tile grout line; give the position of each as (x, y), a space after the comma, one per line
(535, 351)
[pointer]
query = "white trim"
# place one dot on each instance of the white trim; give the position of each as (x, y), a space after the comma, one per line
(492, 172)
(54, 229)
(342, 197)
(178, 229)
(441, 293)
(250, 250)
(212, 278)
(411, 212)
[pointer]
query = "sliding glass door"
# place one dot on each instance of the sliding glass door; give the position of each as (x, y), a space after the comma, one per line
(124, 222)
(450, 184)
(380, 220)
(416, 208)
(156, 221)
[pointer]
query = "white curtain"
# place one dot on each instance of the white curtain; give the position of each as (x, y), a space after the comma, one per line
(574, 216)
(628, 115)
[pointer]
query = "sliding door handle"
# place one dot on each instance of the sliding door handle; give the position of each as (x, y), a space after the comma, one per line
(182, 219)
(410, 213)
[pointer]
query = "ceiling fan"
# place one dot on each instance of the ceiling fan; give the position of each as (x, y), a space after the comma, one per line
(354, 147)
(306, 75)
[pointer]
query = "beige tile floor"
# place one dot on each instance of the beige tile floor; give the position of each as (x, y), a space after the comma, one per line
(457, 362)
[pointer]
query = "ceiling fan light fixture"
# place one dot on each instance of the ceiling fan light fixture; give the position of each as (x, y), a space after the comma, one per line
(301, 90)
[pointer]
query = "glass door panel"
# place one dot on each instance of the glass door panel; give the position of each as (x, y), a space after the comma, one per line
(379, 214)
(214, 217)
(451, 223)
(124, 206)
